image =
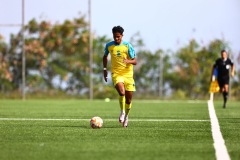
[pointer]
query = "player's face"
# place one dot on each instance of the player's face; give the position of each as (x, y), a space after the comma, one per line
(117, 37)
(224, 55)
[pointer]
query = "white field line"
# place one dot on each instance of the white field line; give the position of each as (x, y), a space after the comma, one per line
(218, 141)
(169, 101)
(136, 120)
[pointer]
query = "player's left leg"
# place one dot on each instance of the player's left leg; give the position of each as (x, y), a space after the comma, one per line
(224, 89)
(128, 106)
(223, 84)
(225, 95)
(130, 88)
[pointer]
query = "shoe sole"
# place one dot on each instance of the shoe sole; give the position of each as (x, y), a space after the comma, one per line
(120, 121)
(124, 125)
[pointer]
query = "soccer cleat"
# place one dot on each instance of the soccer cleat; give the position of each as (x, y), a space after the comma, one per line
(125, 123)
(121, 117)
(224, 105)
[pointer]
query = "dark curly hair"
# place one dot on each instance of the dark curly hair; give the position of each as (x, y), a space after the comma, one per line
(223, 51)
(117, 29)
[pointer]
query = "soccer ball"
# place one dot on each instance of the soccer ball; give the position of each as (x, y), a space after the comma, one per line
(107, 99)
(96, 122)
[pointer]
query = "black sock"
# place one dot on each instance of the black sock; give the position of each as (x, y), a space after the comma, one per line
(225, 96)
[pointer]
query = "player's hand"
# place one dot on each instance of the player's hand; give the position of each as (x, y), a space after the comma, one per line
(130, 61)
(211, 79)
(125, 60)
(232, 74)
(105, 73)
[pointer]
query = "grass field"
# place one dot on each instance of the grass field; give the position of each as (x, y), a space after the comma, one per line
(59, 129)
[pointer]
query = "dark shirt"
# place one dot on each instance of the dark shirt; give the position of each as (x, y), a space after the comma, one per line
(223, 67)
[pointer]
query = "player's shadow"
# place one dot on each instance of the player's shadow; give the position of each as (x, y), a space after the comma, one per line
(84, 126)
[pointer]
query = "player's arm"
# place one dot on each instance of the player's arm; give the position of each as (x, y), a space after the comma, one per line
(105, 61)
(132, 56)
(214, 70)
(232, 70)
(130, 61)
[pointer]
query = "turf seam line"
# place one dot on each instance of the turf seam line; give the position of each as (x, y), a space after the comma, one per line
(133, 120)
(218, 141)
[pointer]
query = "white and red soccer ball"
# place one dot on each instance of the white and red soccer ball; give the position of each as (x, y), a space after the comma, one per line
(96, 122)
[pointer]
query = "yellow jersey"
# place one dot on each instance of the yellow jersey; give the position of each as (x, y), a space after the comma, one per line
(118, 53)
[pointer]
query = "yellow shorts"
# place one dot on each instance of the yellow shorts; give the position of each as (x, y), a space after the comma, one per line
(128, 82)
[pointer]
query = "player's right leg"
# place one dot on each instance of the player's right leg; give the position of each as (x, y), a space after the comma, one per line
(122, 108)
(121, 91)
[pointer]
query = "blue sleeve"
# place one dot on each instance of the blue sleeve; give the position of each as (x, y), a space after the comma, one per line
(106, 52)
(131, 51)
(215, 72)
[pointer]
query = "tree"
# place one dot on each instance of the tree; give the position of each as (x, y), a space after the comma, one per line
(234, 82)
(53, 51)
(57, 58)
(147, 71)
(5, 75)
(192, 70)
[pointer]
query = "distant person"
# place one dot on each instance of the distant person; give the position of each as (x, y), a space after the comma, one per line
(223, 66)
(123, 58)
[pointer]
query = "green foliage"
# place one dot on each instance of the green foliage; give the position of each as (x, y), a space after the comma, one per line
(33, 26)
(53, 50)
(193, 68)
(3, 47)
(62, 51)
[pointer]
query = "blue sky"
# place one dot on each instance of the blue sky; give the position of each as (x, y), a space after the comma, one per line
(162, 24)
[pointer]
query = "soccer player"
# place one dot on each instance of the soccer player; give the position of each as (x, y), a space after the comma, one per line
(123, 58)
(223, 66)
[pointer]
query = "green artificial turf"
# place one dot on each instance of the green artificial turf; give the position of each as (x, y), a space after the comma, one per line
(60, 129)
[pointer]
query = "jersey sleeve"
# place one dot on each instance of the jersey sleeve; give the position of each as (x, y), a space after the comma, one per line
(231, 62)
(106, 52)
(216, 63)
(131, 51)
